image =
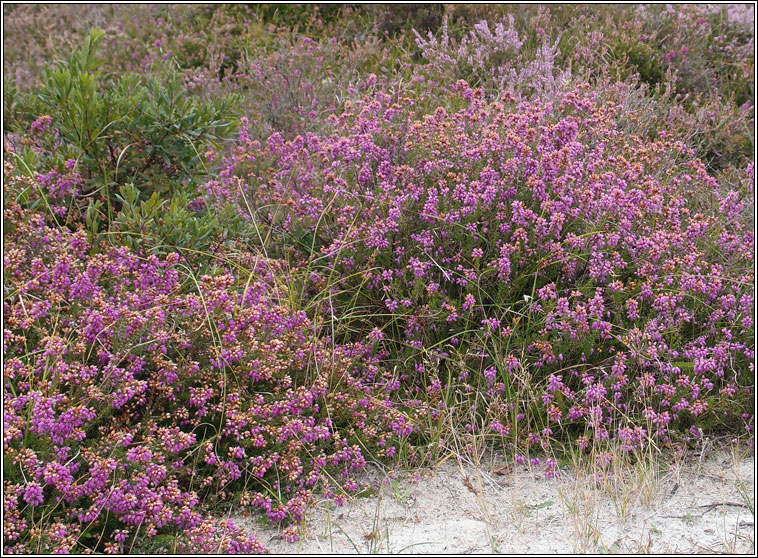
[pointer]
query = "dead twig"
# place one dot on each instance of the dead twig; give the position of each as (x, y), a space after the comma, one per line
(726, 504)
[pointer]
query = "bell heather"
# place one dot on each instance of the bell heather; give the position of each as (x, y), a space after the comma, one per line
(134, 389)
(568, 260)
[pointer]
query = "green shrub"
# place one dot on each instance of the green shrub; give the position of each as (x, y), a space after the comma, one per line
(162, 225)
(141, 129)
(637, 56)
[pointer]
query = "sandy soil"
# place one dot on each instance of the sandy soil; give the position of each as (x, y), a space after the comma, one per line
(701, 504)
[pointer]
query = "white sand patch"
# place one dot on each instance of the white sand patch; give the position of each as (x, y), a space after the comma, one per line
(698, 505)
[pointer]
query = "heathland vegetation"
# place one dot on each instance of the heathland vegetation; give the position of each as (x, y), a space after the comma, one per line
(248, 249)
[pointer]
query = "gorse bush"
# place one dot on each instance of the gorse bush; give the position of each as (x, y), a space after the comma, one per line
(524, 243)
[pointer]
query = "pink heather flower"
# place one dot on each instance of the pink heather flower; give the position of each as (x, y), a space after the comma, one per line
(551, 469)
(392, 305)
(237, 452)
(512, 364)
(500, 429)
(376, 335)
(290, 533)
(41, 124)
(33, 494)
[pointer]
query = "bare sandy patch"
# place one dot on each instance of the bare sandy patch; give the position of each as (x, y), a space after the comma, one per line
(701, 504)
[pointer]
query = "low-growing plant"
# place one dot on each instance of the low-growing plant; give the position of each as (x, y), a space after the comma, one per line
(572, 272)
(493, 59)
(141, 129)
(435, 229)
(135, 390)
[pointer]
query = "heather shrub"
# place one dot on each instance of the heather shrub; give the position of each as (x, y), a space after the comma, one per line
(493, 59)
(36, 34)
(678, 62)
(293, 85)
(715, 128)
(138, 38)
(708, 51)
(87, 468)
(434, 227)
(135, 390)
(705, 48)
(531, 248)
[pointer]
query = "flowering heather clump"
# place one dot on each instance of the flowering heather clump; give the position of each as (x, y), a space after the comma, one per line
(532, 247)
(531, 227)
(699, 62)
(133, 390)
(294, 88)
(495, 59)
(708, 50)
